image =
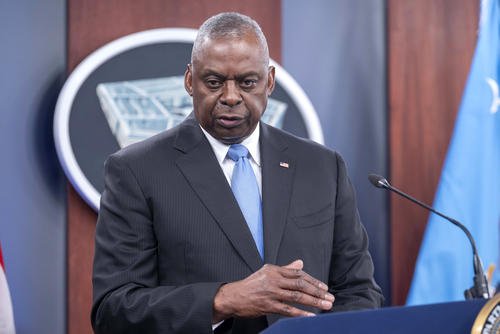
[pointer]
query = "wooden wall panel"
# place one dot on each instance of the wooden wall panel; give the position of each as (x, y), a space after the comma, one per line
(430, 48)
(93, 23)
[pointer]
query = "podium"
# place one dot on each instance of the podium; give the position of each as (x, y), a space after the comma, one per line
(449, 318)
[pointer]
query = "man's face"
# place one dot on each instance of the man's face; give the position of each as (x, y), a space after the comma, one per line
(230, 82)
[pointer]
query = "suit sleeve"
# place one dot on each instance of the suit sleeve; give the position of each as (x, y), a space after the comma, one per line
(351, 274)
(127, 297)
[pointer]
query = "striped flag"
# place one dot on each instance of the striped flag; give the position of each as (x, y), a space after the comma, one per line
(6, 315)
(469, 188)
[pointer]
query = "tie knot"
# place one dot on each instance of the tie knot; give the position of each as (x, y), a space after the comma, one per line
(237, 151)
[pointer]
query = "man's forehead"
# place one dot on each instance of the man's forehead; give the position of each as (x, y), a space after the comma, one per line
(218, 49)
(209, 43)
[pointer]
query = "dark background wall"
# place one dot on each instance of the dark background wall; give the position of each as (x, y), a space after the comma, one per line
(335, 49)
(32, 195)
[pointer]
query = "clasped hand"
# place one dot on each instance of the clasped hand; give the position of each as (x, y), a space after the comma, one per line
(272, 289)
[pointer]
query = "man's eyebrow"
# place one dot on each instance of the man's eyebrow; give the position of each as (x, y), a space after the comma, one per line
(209, 72)
(247, 74)
(214, 73)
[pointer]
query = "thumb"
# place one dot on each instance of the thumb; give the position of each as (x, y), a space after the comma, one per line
(297, 264)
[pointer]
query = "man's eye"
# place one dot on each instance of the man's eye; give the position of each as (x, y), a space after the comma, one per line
(248, 83)
(213, 83)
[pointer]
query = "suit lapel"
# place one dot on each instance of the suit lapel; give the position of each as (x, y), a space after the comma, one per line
(202, 171)
(277, 177)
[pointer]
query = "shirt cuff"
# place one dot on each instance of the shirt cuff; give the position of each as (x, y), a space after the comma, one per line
(214, 326)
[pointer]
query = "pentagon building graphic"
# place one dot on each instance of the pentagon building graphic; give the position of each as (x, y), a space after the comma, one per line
(136, 110)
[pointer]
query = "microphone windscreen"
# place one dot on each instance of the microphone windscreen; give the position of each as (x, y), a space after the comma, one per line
(375, 180)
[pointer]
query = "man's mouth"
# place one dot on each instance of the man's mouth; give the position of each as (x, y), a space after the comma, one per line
(229, 121)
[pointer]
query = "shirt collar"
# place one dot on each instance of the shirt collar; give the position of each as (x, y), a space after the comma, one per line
(251, 143)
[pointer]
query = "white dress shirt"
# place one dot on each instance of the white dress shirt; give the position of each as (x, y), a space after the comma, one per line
(251, 143)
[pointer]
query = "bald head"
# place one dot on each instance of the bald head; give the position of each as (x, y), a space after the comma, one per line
(229, 26)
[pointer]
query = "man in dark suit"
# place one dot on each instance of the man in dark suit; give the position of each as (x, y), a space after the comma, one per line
(192, 237)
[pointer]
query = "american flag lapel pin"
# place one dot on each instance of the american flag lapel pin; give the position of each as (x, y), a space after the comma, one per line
(284, 164)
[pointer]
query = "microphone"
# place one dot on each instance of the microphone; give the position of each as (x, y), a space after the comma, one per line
(480, 287)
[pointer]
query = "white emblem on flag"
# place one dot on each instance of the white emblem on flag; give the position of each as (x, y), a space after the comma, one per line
(495, 103)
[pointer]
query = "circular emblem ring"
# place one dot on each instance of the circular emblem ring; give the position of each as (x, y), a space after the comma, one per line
(119, 95)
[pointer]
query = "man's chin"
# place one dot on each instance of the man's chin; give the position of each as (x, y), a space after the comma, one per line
(231, 136)
(232, 140)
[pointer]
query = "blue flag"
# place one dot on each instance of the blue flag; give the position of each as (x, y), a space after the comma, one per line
(469, 188)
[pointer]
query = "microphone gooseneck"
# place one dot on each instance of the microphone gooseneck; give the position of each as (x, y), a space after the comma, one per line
(480, 288)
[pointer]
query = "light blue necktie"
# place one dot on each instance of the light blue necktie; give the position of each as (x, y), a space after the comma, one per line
(246, 191)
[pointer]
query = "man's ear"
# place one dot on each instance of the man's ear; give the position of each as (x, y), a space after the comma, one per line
(270, 80)
(188, 79)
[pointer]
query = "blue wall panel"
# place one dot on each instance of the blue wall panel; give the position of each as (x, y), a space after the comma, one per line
(32, 195)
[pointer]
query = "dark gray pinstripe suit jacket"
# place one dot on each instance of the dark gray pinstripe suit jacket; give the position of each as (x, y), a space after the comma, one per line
(170, 232)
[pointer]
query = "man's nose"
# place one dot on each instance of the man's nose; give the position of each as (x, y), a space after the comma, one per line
(231, 94)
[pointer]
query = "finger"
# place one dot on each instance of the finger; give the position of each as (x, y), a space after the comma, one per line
(297, 297)
(297, 264)
(302, 292)
(302, 285)
(300, 274)
(290, 311)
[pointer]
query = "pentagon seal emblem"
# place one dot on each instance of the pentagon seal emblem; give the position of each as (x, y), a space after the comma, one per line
(133, 88)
